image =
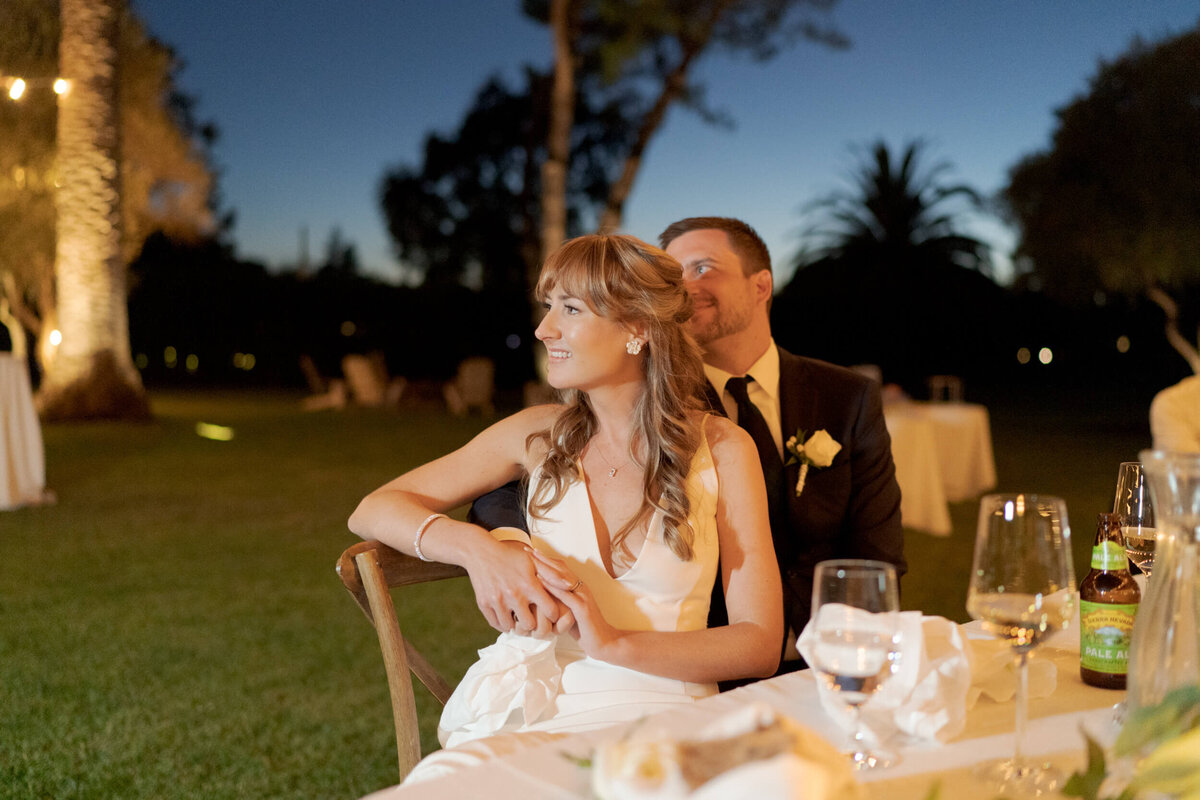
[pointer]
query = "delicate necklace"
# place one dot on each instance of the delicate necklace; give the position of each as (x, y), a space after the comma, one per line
(612, 471)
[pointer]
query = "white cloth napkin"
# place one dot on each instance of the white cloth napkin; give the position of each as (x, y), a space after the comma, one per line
(646, 766)
(994, 671)
(926, 695)
(940, 673)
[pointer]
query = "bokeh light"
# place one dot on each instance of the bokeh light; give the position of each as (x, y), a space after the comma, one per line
(218, 433)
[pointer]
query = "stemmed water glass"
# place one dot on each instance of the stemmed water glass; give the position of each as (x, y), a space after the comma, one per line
(1022, 589)
(856, 606)
(1132, 502)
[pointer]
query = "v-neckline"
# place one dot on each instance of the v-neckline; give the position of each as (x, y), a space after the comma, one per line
(595, 538)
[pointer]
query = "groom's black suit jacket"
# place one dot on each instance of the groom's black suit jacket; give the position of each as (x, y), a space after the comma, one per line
(850, 509)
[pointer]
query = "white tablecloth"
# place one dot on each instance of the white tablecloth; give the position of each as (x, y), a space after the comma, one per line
(22, 458)
(963, 436)
(943, 453)
(545, 771)
(923, 504)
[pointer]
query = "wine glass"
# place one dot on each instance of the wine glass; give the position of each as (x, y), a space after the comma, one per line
(1132, 502)
(856, 606)
(1022, 589)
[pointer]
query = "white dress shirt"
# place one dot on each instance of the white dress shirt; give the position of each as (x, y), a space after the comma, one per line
(763, 391)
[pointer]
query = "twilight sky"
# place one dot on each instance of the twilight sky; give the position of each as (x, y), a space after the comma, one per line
(315, 99)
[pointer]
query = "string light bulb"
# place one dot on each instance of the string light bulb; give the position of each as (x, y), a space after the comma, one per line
(16, 87)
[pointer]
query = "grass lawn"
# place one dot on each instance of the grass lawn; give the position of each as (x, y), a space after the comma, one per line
(173, 627)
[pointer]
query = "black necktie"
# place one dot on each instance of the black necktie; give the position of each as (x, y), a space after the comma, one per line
(751, 419)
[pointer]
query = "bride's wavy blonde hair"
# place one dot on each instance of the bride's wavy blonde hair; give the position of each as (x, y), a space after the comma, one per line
(631, 282)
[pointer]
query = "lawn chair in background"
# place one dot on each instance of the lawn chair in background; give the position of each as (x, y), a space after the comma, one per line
(369, 570)
(367, 378)
(325, 394)
(472, 387)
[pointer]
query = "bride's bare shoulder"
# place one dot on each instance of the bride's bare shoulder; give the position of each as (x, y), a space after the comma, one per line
(725, 438)
(540, 417)
(532, 420)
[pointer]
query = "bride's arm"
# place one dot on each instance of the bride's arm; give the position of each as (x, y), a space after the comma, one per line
(502, 575)
(749, 646)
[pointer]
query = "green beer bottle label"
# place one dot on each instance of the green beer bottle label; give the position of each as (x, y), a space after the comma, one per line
(1108, 555)
(1104, 631)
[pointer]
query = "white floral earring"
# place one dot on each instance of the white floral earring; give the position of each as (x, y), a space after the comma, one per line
(633, 347)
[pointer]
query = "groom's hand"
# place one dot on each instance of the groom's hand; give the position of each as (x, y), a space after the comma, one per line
(508, 592)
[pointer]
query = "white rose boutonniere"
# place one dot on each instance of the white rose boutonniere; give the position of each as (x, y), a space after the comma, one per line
(817, 451)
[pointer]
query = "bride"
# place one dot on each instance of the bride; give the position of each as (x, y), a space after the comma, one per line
(632, 494)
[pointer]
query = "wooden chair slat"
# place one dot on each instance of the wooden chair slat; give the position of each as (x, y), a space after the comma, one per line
(369, 570)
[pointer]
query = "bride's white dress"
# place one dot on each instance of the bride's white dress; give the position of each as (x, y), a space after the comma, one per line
(523, 683)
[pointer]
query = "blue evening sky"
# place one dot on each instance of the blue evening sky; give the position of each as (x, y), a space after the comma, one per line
(315, 99)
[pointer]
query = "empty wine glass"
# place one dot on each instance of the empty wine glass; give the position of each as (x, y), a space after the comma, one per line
(1022, 589)
(856, 604)
(1132, 502)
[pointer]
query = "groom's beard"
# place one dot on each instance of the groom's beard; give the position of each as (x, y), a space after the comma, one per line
(712, 320)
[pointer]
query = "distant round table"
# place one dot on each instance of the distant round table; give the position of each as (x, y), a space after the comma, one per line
(923, 505)
(963, 434)
(943, 454)
(22, 457)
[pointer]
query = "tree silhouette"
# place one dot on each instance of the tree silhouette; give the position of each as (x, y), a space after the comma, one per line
(1114, 203)
(474, 204)
(895, 215)
(646, 50)
(891, 281)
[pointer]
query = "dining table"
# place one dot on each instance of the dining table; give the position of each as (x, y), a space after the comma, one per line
(943, 454)
(22, 456)
(1054, 734)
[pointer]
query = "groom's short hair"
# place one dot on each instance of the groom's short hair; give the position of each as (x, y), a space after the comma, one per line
(744, 240)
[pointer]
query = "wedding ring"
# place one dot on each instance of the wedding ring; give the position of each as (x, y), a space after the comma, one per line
(575, 585)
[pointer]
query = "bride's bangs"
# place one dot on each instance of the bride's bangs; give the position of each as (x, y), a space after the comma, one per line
(585, 268)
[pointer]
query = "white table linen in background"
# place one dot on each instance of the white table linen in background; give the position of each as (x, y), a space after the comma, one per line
(943, 454)
(963, 437)
(923, 504)
(22, 457)
(547, 770)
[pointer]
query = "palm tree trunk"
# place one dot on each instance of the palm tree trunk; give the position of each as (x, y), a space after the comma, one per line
(91, 375)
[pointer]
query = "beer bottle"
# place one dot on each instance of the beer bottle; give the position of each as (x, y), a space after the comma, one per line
(1108, 602)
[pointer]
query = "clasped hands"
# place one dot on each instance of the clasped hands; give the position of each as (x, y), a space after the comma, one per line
(526, 592)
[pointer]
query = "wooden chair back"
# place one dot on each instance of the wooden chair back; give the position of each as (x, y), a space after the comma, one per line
(369, 570)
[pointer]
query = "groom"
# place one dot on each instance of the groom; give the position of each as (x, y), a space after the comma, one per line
(849, 509)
